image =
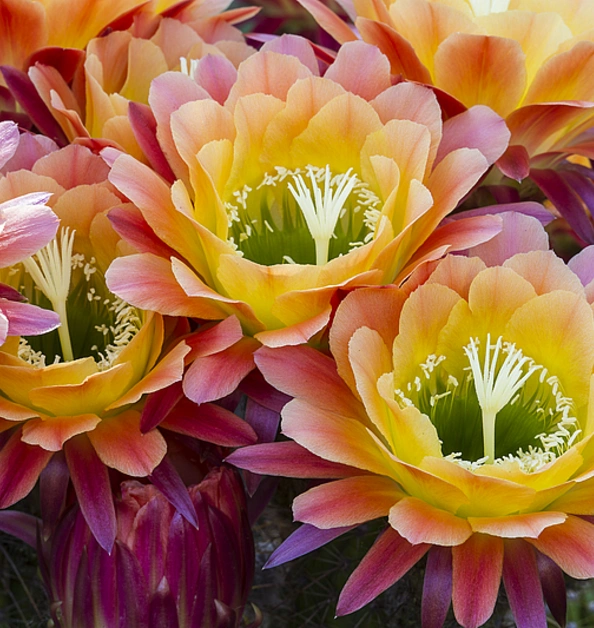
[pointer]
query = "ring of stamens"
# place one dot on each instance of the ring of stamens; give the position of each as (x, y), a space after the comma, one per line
(503, 381)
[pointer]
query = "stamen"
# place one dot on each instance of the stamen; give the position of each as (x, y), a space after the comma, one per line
(322, 210)
(51, 273)
(495, 390)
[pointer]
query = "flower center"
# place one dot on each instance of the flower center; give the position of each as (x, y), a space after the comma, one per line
(302, 216)
(93, 321)
(504, 406)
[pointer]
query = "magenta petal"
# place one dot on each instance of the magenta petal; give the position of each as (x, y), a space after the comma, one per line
(387, 561)
(132, 591)
(8, 292)
(287, 459)
(9, 140)
(25, 319)
(166, 478)
(20, 525)
(20, 466)
(437, 587)
(158, 405)
(263, 421)
(26, 94)
(91, 484)
(104, 586)
(144, 127)
(565, 200)
(305, 539)
(522, 584)
(211, 423)
(515, 162)
(150, 539)
(553, 587)
(258, 389)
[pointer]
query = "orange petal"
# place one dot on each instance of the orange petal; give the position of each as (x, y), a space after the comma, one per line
(529, 525)
(52, 433)
(346, 502)
(482, 70)
(419, 522)
(121, 445)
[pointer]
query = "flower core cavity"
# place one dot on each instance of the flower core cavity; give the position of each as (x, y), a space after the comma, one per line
(93, 321)
(503, 407)
(302, 216)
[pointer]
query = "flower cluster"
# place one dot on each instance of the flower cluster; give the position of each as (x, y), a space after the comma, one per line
(377, 236)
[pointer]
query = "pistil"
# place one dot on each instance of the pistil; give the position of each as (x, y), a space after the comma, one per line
(322, 210)
(51, 269)
(495, 388)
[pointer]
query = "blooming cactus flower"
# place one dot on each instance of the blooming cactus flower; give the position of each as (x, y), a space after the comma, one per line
(291, 186)
(163, 571)
(83, 388)
(462, 412)
(119, 68)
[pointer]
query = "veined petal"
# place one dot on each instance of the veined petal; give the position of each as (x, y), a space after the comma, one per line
(51, 433)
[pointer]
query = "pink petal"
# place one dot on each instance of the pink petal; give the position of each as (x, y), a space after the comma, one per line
(515, 162)
(216, 74)
(28, 320)
(477, 567)
(215, 376)
(329, 21)
(28, 225)
(385, 563)
(553, 587)
(478, 127)
(287, 459)
(9, 141)
(296, 46)
(93, 490)
(522, 585)
(582, 265)
(20, 466)
(211, 423)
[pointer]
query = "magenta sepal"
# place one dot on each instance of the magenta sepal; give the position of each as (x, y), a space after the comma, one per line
(305, 539)
(437, 587)
(390, 557)
(25, 93)
(21, 525)
(565, 199)
(553, 587)
(528, 208)
(90, 479)
(158, 405)
(53, 487)
(515, 162)
(166, 478)
(162, 610)
(204, 611)
(132, 591)
(255, 387)
(522, 584)
(104, 585)
(144, 127)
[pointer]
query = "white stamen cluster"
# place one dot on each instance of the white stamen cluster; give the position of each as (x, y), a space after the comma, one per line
(321, 197)
(126, 326)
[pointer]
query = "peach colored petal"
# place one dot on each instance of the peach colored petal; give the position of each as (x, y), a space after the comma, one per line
(14, 411)
(378, 308)
(361, 69)
(329, 21)
(333, 436)
(24, 30)
(146, 61)
(565, 76)
(346, 502)
(457, 272)
(529, 525)
(267, 73)
(296, 334)
(402, 56)
(121, 445)
(545, 271)
(50, 434)
(570, 545)
(419, 522)
(73, 166)
(482, 70)
(336, 134)
(297, 47)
